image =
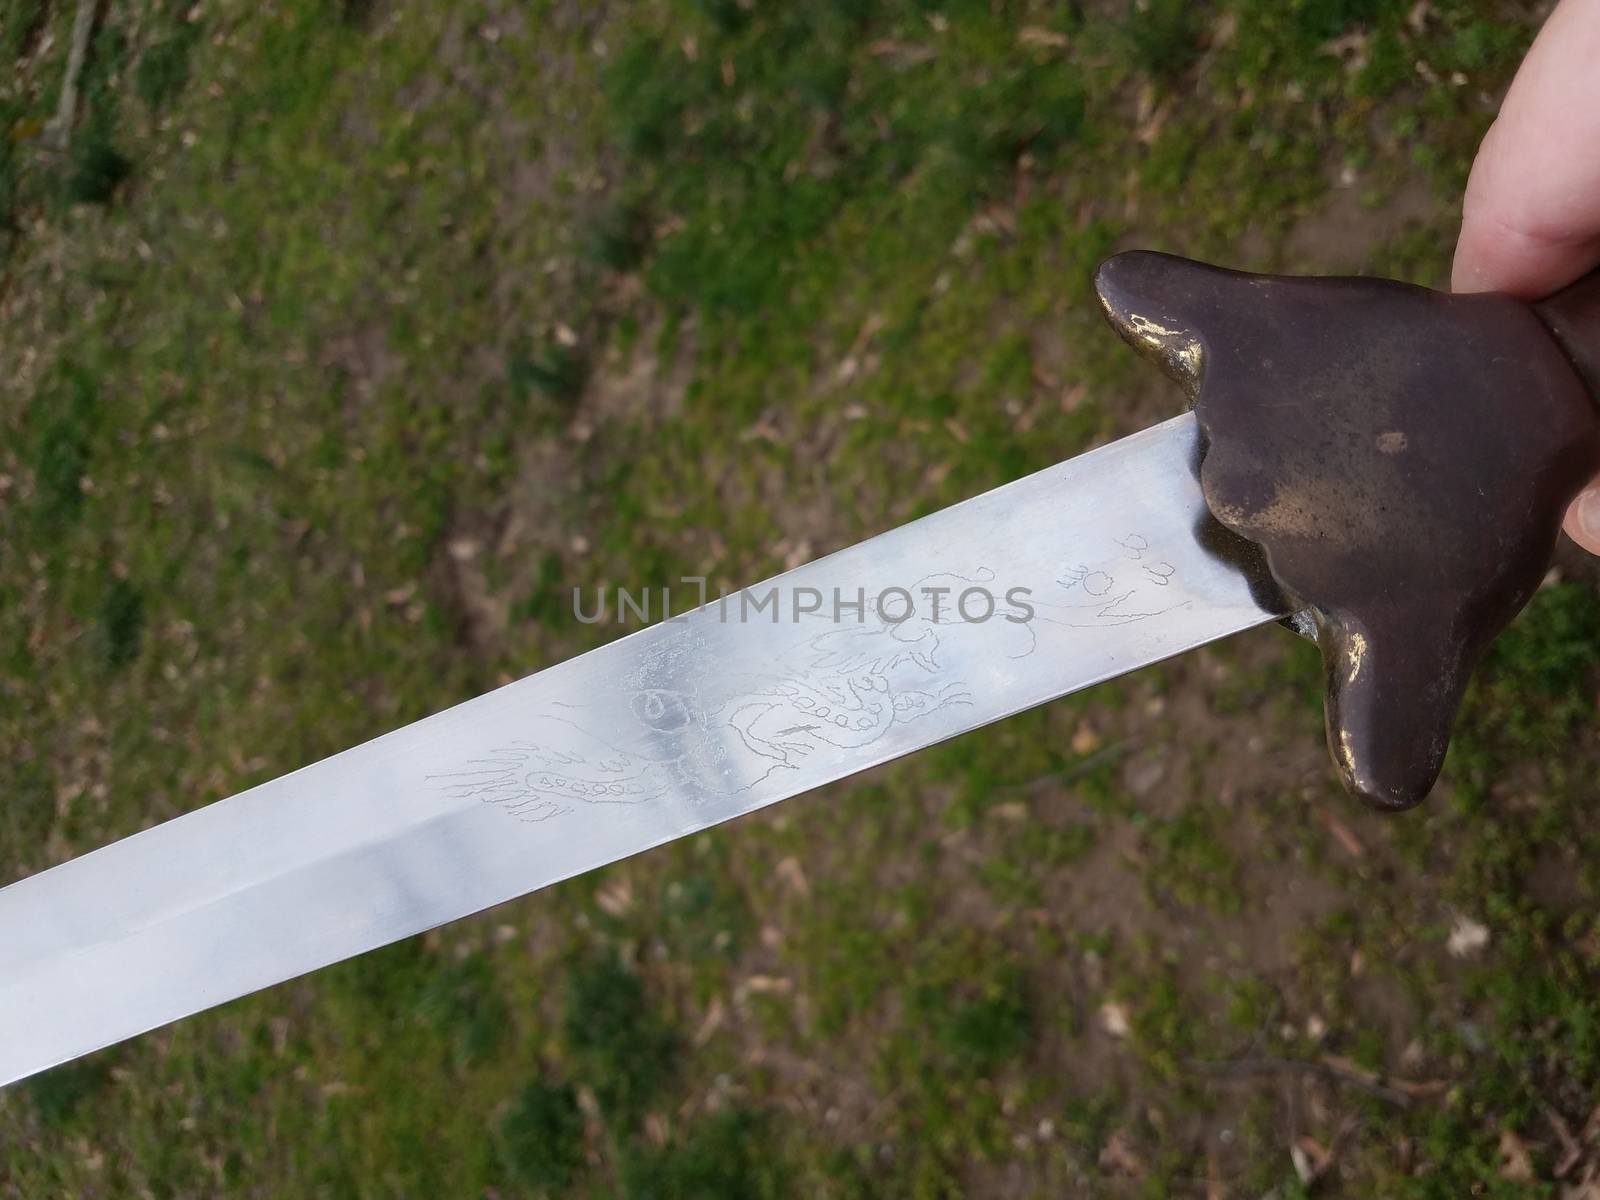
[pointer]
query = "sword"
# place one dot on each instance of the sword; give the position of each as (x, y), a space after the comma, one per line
(1381, 466)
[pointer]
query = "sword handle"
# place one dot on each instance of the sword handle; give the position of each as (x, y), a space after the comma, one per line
(1573, 316)
(1403, 457)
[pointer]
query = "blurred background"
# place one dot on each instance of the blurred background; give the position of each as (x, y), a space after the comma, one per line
(339, 342)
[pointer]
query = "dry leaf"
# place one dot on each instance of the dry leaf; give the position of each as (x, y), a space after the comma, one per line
(655, 1128)
(1352, 44)
(615, 899)
(1036, 35)
(1515, 1162)
(713, 1021)
(793, 876)
(1420, 1089)
(1344, 835)
(1467, 937)
(1114, 1017)
(1320, 1157)
(1302, 1164)
(870, 328)
(1150, 129)
(1118, 1155)
(902, 54)
(766, 984)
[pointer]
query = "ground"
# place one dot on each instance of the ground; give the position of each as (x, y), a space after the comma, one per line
(341, 340)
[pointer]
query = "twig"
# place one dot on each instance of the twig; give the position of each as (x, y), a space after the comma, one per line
(1330, 1069)
(1070, 774)
(1571, 1148)
(59, 130)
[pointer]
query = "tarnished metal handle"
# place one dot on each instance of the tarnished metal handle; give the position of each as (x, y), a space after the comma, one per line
(1573, 315)
(1403, 457)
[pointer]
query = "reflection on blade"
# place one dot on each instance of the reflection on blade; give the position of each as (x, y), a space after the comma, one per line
(1058, 581)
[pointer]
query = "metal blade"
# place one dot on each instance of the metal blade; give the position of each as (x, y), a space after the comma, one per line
(659, 734)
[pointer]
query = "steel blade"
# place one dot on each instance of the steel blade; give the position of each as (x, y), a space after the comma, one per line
(670, 730)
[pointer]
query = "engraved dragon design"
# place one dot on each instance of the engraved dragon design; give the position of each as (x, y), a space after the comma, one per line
(842, 689)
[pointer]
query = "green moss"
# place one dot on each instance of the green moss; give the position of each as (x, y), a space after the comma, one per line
(618, 238)
(59, 1095)
(163, 69)
(63, 423)
(541, 1138)
(1164, 37)
(1192, 862)
(121, 623)
(462, 1001)
(728, 1156)
(981, 1025)
(1535, 688)
(20, 23)
(622, 1049)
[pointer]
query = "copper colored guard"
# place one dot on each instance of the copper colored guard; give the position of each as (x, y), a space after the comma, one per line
(1402, 456)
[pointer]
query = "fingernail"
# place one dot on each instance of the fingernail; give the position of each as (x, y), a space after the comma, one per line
(1586, 516)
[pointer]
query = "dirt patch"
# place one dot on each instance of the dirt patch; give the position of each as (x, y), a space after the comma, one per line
(362, 361)
(1341, 236)
(636, 389)
(487, 555)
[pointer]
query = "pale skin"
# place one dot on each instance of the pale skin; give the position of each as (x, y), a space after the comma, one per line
(1531, 217)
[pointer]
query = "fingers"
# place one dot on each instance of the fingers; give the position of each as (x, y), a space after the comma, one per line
(1530, 222)
(1531, 217)
(1583, 520)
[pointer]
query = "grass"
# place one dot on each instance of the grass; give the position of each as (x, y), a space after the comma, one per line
(344, 340)
(543, 1137)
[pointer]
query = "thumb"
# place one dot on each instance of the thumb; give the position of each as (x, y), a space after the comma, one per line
(1583, 519)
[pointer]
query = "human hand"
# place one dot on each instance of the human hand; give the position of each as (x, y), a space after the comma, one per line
(1531, 217)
